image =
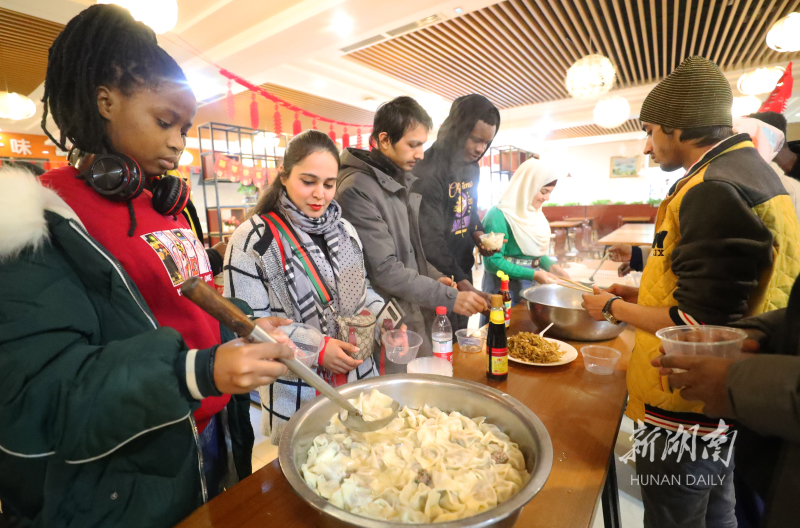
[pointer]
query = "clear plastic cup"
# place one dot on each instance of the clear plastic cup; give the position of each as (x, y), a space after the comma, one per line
(430, 365)
(719, 341)
(471, 341)
(600, 359)
(401, 346)
(306, 341)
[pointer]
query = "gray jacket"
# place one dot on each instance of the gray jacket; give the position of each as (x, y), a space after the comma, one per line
(386, 215)
(764, 392)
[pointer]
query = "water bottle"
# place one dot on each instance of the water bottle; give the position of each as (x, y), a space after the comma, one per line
(442, 335)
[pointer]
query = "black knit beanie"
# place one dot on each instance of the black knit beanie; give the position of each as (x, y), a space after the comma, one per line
(695, 95)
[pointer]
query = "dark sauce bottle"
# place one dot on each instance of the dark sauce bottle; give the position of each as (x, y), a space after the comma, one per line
(496, 344)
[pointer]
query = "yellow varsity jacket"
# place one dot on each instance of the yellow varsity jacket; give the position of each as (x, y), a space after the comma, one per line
(727, 246)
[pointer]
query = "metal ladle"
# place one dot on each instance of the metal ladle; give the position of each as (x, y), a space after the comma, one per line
(196, 290)
(590, 281)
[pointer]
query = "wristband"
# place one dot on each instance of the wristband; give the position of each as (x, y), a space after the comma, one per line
(322, 352)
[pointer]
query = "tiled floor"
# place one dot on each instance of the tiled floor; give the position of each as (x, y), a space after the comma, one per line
(263, 450)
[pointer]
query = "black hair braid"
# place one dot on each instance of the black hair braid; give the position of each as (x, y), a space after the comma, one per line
(101, 46)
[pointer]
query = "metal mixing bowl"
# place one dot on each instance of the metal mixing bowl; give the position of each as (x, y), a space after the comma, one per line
(551, 303)
(414, 390)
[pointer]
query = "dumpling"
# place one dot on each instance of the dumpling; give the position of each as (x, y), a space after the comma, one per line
(425, 466)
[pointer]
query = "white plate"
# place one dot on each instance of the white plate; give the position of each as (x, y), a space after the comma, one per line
(570, 355)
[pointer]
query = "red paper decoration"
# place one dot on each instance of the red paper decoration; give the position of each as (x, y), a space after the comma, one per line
(276, 120)
(332, 134)
(776, 102)
(345, 139)
(297, 127)
(230, 103)
(314, 124)
(253, 111)
(359, 141)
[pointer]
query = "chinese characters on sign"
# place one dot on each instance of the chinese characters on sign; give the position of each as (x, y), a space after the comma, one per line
(21, 147)
(681, 443)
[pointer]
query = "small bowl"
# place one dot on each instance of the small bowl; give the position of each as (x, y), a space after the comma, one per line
(471, 341)
(398, 350)
(430, 365)
(600, 359)
(719, 341)
(492, 241)
(307, 340)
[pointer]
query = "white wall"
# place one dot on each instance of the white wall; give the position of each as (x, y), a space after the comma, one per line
(590, 168)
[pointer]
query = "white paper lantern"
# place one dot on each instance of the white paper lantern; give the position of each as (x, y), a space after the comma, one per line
(611, 112)
(784, 35)
(760, 81)
(186, 158)
(15, 106)
(745, 105)
(160, 15)
(590, 76)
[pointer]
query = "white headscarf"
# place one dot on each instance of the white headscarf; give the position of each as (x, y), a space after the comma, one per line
(530, 227)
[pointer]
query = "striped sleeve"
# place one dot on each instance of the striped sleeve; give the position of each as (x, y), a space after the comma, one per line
(681, 318)
(244, 277)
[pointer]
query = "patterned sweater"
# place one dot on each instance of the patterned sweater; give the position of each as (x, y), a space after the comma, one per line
(255, 274)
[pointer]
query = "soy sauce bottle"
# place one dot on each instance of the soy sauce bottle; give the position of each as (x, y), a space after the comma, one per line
(496, 344)
(506, 296)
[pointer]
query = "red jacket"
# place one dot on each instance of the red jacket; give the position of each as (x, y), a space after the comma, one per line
(160, 256)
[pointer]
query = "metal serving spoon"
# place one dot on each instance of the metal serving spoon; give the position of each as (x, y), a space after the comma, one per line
(196, 290)
(590, 281)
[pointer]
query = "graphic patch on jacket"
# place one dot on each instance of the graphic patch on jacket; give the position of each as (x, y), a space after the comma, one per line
(658, 244)
(462, 208)
(181, 253)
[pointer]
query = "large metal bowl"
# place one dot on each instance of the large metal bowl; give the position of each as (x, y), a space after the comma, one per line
(551, 303)
(414, 390)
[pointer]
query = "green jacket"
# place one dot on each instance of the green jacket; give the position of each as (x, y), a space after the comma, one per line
(96, 424)
(495, 222)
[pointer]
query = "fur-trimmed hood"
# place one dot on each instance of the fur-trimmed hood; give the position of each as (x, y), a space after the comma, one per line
(23, 201)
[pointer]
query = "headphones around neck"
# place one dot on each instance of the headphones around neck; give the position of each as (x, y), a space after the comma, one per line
(119, 178)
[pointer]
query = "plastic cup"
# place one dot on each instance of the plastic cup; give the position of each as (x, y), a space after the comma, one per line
(600, 359)
(719, 341)
(430, 365)
(471, 341)
(401, 347)
(306, 341)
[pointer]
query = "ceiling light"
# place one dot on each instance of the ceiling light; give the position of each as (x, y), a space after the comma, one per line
(45, 152)
(590, 76)
(160, 15)
(785, 34)
(203, 86)
(760, 81)
(745, 105)
(186, 159)
(458, 10)
(342, 24)
(15, 106)
(611, 112)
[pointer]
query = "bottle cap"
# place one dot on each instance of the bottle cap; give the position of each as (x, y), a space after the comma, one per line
(441, 310)
(497, 301)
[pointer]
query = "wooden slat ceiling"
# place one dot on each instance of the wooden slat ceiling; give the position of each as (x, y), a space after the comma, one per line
(24, 42)
(217, 112)
(631, 125)
(517, 52)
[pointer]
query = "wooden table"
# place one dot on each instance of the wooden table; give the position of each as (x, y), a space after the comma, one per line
(566, 224)
(633, 234)
(581, 411)
(636, 219)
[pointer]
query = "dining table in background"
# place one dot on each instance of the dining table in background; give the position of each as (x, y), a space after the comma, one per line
(581, 411)
(633, 234)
